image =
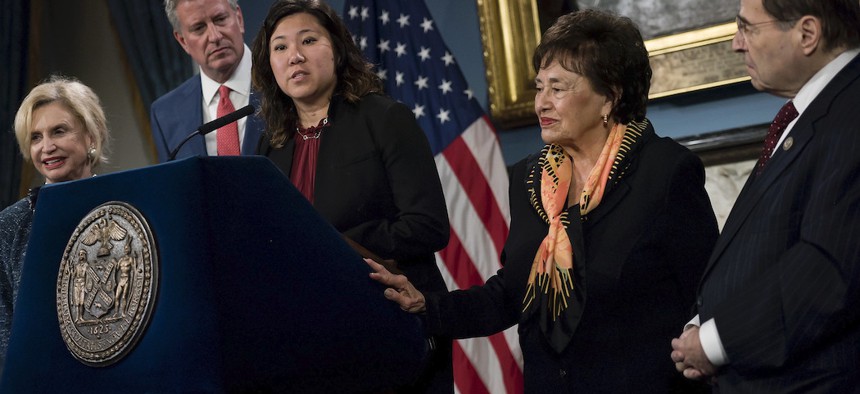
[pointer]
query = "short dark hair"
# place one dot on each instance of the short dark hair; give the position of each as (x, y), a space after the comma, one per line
(606, 49)
(355, 77)
(840, 19)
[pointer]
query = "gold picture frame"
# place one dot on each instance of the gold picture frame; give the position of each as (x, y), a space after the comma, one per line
(683, 62)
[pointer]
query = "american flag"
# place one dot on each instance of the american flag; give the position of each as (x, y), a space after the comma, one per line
(401, 39)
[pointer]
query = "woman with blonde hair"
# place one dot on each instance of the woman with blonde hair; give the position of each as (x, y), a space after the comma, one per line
(60, 128)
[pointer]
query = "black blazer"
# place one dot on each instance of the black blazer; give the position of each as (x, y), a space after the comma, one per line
(638, 258)
(783, 283)
(377, 183)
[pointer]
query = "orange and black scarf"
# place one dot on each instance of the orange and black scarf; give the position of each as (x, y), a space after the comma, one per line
(551, 289)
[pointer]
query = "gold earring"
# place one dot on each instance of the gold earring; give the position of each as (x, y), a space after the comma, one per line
(605, 118)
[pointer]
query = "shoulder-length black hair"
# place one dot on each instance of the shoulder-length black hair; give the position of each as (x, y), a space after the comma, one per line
(355, 77)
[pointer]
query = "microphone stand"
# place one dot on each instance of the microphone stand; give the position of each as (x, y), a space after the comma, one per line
(212, 126)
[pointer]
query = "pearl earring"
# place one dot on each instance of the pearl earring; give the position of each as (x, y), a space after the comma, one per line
(605, 118)
(91, 154)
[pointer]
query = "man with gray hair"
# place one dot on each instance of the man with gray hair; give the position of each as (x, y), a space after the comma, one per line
(779, 303)
(211, 32)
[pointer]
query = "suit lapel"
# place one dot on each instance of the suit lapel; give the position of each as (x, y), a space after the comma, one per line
(613, 197)
(616, 193)
(756, 188)
(254, 127)
(191, 117)
(336, 137)
(801, 134)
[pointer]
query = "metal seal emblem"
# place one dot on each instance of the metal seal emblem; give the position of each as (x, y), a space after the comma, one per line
(107, 284)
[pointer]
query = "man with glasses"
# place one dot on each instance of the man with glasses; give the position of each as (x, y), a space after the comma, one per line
(779, 302)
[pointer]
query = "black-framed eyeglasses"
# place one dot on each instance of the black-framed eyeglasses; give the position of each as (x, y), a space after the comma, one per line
(746, 28)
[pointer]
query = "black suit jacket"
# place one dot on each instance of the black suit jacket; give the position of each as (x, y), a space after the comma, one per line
(783, 283)
(638, 257)
(377, 183)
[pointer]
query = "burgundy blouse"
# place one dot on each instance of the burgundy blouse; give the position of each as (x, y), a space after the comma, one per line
(305, 154)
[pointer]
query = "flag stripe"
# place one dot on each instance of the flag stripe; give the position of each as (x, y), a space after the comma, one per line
(511, 370)
(459, 265)
(467, 379)
(478, 247)
(479, 351)
(399, 37)
(512, 337)
(482, 354)
(484, 143)
(464, 276)
(478, 190)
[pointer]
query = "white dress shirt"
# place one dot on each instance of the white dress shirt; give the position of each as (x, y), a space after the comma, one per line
(240, 86)
(709, 336)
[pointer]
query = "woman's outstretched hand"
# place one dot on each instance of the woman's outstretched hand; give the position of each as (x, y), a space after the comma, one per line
(400, 289)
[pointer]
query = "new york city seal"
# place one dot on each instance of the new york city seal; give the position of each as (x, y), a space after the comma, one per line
(107, 284)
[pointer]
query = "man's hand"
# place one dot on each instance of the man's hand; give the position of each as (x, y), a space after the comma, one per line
(400, 288)
(689, 357)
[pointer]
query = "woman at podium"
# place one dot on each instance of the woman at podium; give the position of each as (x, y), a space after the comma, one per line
(358, 156)
(61, 129)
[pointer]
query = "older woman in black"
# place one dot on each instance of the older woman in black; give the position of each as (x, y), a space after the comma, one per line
(610, 227)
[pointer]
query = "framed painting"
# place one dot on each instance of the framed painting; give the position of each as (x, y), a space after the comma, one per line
(692, 53)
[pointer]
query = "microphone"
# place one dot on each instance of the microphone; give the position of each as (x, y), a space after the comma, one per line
(214, 125)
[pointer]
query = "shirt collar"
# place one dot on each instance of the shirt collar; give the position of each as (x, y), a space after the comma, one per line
(819, 81)
(239, 82)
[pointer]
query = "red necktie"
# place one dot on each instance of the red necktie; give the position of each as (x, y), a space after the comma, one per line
(785, 115)
(228, 136)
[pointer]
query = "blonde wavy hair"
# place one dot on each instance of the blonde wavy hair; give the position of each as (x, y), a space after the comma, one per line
(81, 101)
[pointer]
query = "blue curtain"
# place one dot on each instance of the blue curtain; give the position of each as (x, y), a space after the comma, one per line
(14, 38)
(159, 64)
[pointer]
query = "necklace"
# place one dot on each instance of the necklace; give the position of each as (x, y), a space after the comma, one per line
(312, 132)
